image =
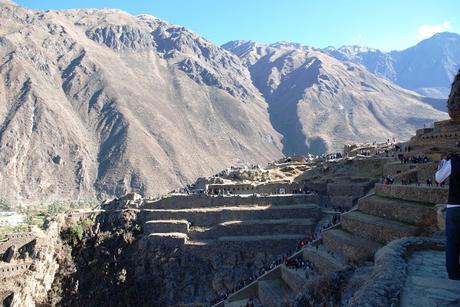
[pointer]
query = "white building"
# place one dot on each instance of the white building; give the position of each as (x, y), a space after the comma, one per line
(10, 218)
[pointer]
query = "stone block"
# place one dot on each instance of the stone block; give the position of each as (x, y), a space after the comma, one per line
(158, 226)
(276, 244)
(168, 239)
(259, 227)
(355, 248)
(400, 210)
(207, 201)
(324, 261)
(376, 228)
(208, 217)
(346, 189)
(274, 293)
(342, 201)
(423, 194)
(296, 279)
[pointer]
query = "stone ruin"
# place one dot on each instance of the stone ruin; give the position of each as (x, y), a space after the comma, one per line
(16, 253)
(444, 137)
(28, 265)
(388, 250)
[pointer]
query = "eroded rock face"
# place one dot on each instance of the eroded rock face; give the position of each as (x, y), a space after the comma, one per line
(98, 103)
(453, 103)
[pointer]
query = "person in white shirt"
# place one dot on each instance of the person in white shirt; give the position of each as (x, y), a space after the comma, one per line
(450, 168)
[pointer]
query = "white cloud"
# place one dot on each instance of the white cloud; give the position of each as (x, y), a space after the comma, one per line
(425, 31)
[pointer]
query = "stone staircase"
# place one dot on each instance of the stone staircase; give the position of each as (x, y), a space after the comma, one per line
(223, 222)
(392, 212)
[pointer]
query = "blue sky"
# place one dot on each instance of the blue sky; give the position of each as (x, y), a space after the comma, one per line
(383, 24)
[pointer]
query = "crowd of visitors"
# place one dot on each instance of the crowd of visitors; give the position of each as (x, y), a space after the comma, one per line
(408, 181)
(333, 156)
(387, 180)
(185, 190)
(299, 263)
(412, 159)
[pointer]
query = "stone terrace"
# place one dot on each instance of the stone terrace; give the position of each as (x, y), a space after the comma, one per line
(391, 213)
(202, 223)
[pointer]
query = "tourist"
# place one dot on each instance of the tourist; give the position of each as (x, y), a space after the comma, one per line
(450, 167)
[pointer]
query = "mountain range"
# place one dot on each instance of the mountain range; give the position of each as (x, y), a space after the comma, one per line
(427, 68)
(96, 103)
(99, 102)
(318, 103)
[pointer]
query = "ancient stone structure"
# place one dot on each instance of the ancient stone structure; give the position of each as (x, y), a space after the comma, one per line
(200, 222)
(453, 103)
(393, 212)
(16, 239)
(26, 279)
(13, 266)
(412, 272)
(444, 137)
(434, 142)
(250, 188)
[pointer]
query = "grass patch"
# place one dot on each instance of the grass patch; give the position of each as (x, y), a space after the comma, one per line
(76, 231)
(12, 229)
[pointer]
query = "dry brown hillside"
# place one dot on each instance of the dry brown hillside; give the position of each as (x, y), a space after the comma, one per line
(99, 102)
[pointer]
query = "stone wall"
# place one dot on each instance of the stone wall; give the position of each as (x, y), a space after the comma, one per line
(32, 289)
(444, 135)
(264, 188)
(346, 194)
(8, 270)
(211, 217)
(423, 194)
(16, 239)
(205, 201)
(388, 277)
(256, 228)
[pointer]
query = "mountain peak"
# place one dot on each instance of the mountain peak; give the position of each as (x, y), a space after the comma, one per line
(446, 35)
(7, 2)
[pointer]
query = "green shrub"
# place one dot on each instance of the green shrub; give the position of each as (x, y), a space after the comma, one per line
(77, 230)
(4, 206)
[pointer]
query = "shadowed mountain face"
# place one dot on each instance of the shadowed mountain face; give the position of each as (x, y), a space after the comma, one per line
(99, 102)
(427, 68)
(318, 103)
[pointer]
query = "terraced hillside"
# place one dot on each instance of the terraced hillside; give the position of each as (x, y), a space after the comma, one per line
(391, 213)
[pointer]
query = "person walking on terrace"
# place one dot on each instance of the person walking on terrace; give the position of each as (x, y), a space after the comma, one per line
(450, 167)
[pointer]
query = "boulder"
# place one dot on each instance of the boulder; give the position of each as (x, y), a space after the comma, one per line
(453, 103)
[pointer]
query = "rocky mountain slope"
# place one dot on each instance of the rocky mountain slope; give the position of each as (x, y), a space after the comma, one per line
(318, 103)
(99, 102)
(427, 68)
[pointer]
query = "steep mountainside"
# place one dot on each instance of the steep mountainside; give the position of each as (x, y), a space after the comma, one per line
(99, 102)
(318, 103)
(427, 68)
